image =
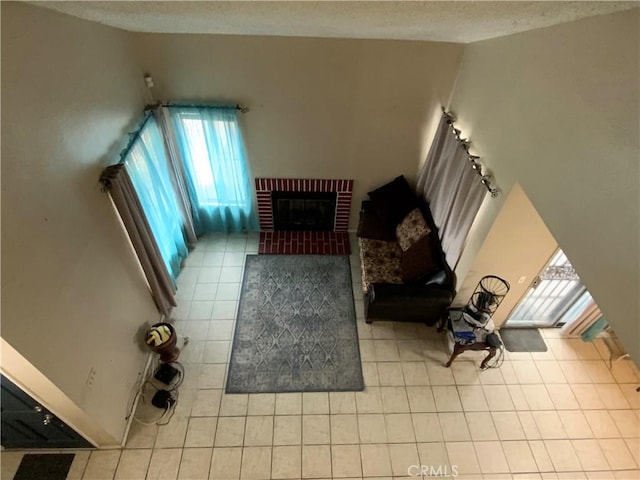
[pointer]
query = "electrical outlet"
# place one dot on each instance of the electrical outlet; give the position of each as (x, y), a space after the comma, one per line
(91, 378)
(522, 279)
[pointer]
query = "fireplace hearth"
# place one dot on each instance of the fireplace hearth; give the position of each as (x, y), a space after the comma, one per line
(304, 216)
(303, 211)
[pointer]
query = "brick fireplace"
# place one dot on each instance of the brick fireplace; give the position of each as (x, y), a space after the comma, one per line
(334, 242)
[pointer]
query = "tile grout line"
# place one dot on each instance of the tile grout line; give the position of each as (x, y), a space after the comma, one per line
(536, 362)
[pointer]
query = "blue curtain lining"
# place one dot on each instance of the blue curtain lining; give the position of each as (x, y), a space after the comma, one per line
(151, 179)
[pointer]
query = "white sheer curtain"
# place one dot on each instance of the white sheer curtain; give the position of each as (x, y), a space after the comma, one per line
(452, 189)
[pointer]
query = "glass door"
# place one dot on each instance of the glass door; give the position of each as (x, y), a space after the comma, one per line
(552, 293)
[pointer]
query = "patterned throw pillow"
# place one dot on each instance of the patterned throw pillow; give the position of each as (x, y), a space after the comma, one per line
(411, 229)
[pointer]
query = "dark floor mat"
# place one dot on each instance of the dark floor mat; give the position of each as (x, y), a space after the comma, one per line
(50, 466)
(523, 340)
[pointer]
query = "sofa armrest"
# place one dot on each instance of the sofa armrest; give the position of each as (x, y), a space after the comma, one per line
(404, 290)
(407, 302)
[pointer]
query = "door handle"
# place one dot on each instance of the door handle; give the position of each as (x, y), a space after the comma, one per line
(47, 419)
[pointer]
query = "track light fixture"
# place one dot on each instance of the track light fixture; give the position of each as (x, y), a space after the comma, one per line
(485, 178)
(486, 181)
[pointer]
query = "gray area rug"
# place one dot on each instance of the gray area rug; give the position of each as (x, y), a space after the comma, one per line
(296, 327)
(523, 340)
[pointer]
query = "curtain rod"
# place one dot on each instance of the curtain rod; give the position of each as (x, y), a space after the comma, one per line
(229, 106)
(485, 179)
(133, 136)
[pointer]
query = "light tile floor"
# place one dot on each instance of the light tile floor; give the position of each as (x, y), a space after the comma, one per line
(562, 414)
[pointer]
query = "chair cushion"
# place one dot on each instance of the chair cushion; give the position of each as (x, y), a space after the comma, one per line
(380, 262)
(411, 229)
(394, 200)
(418, 260)
(372, 226)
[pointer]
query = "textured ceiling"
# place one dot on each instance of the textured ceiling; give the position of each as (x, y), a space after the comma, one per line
(445, 21)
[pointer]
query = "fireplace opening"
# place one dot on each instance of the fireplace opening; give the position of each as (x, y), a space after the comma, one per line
(309, 211)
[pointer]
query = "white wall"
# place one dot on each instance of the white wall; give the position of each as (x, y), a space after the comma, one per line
(320, 108)
(72, 294)
(557, 110)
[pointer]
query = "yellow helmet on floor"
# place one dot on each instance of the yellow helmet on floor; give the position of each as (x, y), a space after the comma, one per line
(158, 335)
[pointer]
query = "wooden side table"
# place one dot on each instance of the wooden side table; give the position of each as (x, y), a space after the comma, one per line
(460, 346)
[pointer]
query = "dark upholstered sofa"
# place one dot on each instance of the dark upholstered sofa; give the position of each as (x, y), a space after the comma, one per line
(404, 273)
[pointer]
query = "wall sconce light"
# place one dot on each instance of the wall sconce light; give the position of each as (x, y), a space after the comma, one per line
(148, 80)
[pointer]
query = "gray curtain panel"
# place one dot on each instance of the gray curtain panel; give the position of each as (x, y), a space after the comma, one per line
(176, 166)
(452, 189)
(117, 182)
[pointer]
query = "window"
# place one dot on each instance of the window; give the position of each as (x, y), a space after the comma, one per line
(217, 172)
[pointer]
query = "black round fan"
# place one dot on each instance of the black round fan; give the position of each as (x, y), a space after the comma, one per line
(488, 295)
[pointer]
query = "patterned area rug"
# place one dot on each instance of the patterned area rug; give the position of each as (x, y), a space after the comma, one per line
(296, 327)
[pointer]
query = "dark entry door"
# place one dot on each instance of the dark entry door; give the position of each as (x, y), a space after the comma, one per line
(26, 424)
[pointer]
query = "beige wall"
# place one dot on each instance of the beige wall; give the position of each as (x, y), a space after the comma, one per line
(518, 245)
(556, 110)
(72, 294)
(320, 108)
